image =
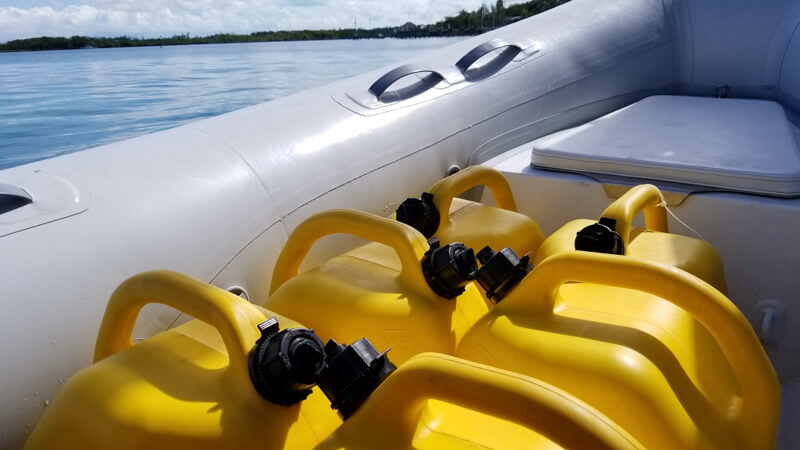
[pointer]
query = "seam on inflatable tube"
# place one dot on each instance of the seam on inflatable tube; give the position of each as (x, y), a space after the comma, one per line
(477, 152)
(250, 168)
(282, 219)
(785, 52)
(249, 243)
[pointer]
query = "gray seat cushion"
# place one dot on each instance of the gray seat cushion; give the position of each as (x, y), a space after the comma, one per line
(728, 144)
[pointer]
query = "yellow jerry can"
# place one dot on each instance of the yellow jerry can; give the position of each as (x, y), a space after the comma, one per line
(434, 401)
(439, 213)
(186, 388)
(615, 233)
(386, 290)
(660, 352)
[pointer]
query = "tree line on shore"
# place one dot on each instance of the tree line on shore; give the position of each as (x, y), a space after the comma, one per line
(465, 23)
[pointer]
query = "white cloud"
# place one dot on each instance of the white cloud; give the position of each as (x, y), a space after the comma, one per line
(201, 17)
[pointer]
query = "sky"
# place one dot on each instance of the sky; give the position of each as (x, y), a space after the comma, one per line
(152, 18)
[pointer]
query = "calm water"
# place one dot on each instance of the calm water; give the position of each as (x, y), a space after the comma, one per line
(59, 102)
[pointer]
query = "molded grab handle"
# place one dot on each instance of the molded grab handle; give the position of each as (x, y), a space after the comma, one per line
(732, 331)
(392, 411)
(644, 197)
(409, 244)
(379, 87)
(466, 61)
(447, 188)
(12, 197)
(235, 318)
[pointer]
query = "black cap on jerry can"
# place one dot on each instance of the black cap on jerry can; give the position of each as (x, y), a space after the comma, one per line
(420, 213)
(448, 269)
(501, 271)
(352, 373)
(284, 365)
(600, 237)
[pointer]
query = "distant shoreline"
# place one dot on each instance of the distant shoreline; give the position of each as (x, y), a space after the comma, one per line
(84, 42)
(464, 24)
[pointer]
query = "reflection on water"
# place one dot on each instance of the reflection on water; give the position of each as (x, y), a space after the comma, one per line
(62, 101)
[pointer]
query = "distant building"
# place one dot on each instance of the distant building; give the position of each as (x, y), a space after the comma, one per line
(406, 27)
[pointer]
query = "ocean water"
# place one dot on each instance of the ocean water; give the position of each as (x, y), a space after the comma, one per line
(57, 102)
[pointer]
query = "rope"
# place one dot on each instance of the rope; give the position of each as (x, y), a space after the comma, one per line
(674, 216)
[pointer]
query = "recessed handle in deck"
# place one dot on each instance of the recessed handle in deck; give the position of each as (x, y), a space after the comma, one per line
(379, 87)
(510, 51)
(12, 197)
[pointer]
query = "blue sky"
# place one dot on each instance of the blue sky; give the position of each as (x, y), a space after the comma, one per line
(152, 18)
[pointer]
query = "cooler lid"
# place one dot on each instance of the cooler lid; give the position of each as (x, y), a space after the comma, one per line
(730, 144)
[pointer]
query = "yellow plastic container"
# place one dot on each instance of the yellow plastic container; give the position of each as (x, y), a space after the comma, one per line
(376, 291)
(660, 352)
(435, 401)
(478, 225)
(653, 243)
(186, 388)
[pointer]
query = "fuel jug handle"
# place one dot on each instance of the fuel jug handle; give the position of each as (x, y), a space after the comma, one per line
(392, 411)
(236, 319)
(729, 327)
(447, 188)
(407, 242)
(644, 197)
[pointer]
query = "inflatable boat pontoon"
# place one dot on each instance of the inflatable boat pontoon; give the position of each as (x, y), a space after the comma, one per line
(573, 107)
